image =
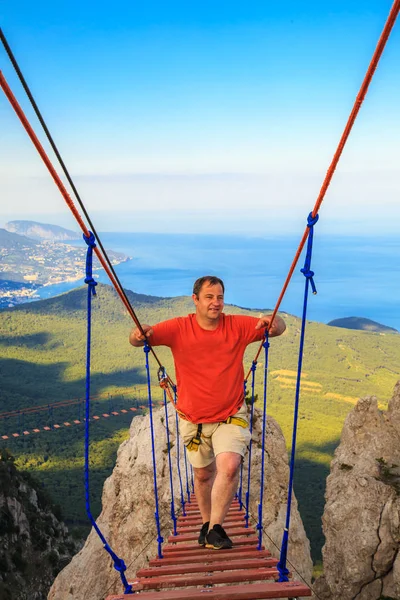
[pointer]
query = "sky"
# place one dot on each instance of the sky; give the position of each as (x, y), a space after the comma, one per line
(205, 116)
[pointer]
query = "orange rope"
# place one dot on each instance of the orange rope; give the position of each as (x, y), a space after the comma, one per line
(349, 125)
(25, 123)
(57, 180)
(353, 115)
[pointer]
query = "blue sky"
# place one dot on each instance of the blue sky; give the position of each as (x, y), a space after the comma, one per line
(202, 116)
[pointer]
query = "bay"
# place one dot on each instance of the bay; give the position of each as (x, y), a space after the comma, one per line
(355, 276)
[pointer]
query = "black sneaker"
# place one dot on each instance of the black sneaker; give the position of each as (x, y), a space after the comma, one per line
(217, 539)
(203, 533)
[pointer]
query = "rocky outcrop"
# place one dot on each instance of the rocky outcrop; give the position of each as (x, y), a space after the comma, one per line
(34, 544)
(127, 518)
(362, 514)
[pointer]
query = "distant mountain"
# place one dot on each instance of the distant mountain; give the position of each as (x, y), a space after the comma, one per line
(361, 324)
(14, 241)
(41, 231)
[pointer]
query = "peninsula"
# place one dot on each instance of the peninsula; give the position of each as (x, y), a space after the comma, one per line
(28, 264)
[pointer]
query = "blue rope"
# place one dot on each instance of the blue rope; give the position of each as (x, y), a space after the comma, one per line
(308, 274)
(263, 434)
(187, 475)
(171, 485)
(192, 478)
(160, 539)
(119, 564)
(253, 376)
(239, 493)
(178, 460)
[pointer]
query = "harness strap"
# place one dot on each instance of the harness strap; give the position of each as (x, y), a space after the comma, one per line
(236, 421)
(195, 442)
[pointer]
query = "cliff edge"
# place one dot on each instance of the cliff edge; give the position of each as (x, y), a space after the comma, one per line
(361, 520)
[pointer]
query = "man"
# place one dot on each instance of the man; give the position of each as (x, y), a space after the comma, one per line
(208, 348)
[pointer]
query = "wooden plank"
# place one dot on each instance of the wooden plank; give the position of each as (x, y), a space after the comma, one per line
(238, 576)
(176, 539)
(193, 500)
(214, 556)
(223, 565)
(256, 591)
(242, 544)
(195, 507)
(238, 516)
(231, 525)
(196, 513)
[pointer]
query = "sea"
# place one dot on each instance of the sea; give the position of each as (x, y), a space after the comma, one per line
(354, 276)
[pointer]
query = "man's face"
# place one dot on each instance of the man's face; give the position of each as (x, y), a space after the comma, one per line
(210, 302)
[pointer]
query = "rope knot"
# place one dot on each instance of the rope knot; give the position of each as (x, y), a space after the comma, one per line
(254, 365)
(266, 344)
(120, 565)
(91, 243)
(311, 221)
(91, 240)
(306, 270)
(146, 348)
(307, 273)
(92, 284)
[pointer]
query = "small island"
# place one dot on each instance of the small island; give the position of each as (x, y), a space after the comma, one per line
(361, 324)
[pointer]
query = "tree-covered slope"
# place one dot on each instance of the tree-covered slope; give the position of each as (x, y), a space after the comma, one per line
(34, 543)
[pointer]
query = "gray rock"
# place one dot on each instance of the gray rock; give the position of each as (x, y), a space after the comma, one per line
(361, 519)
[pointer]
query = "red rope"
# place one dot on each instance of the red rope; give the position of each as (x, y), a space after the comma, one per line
(353, 115)
(58, 182)
(347, 130)
(28, 128)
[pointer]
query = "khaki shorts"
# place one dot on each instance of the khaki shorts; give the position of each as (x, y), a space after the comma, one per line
(215, 438)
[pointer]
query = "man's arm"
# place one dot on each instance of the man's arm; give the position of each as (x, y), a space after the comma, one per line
(277, 327)
(136, 337)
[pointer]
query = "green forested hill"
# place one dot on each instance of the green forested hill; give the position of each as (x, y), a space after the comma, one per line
(43, 361)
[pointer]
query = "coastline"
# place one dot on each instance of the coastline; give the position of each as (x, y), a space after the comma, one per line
(8, 299)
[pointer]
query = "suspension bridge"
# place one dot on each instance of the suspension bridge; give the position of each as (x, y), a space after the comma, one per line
(183, 570)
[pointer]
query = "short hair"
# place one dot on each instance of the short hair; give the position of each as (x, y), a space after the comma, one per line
(198, 284)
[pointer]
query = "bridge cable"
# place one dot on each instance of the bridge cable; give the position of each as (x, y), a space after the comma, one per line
(102, 256)
(345, 135)
(119, 564)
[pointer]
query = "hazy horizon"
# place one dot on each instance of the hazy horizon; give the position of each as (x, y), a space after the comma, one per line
(204, 118)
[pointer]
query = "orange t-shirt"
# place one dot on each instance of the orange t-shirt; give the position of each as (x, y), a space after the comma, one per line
(208, 364)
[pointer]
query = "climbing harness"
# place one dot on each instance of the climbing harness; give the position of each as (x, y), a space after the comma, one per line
(194, 443)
